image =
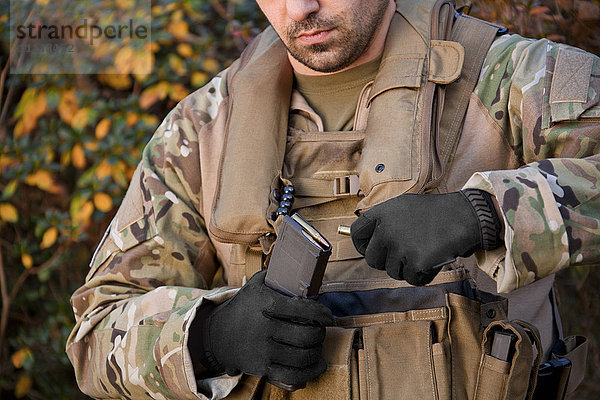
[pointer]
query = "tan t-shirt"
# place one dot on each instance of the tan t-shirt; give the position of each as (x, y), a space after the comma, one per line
(334, 97)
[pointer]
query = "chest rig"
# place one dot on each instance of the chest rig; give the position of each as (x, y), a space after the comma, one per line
(415, 109)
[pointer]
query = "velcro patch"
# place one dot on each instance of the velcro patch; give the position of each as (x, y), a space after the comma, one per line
(571, 80)
(132, 209)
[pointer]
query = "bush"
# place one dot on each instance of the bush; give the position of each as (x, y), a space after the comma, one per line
(70, 143)
(68, 147)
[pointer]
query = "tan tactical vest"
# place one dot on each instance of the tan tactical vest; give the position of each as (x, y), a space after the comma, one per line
(404, 138)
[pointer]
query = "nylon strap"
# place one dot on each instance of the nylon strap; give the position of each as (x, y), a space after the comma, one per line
(254, 261)
(476, 37)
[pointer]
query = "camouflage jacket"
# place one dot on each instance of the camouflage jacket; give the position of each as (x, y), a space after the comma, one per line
(531, 138)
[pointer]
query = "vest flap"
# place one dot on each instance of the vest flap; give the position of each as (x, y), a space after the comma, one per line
(398, 71)
(255, 144)
(446, 61)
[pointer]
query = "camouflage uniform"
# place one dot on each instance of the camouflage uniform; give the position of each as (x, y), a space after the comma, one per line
(532, 127)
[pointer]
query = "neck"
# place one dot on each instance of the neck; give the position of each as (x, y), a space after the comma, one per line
(374, 50)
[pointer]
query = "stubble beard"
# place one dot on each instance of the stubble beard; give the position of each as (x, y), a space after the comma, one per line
(354, 36)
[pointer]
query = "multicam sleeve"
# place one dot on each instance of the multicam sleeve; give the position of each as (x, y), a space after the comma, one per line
(151, 271)
(546, 97)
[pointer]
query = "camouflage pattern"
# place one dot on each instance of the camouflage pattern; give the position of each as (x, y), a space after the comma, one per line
(138, 308)
(551, 205)
(157, 263)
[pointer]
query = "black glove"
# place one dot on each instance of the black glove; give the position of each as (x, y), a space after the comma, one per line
(413, 235)
(263, 333)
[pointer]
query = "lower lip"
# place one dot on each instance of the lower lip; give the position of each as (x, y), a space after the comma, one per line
(318, 37)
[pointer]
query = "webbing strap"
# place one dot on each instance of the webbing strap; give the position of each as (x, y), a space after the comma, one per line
(254, 261)
(476, 37)
(342, 186)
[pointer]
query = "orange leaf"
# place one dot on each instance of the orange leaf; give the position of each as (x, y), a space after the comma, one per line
(42, 179)
(31, 106)
(103, 169)
(78, 156)
(80, 119)
(132, 119)
(103, 202)
(177, 65)
(114, 80)
(8, 213)
(539, 10)
(185, 50)
(199, 78)
(179, 29)
(178, 92)
(23, 386)
(84, 214)
(210, 65)
(102, 128)
(27, 262)
(154, 93)
(49, 238)
(124, 60)
(68, 106)
(18, 357)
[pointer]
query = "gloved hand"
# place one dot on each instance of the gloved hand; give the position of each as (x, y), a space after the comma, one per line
(413, 235)
(263, 333)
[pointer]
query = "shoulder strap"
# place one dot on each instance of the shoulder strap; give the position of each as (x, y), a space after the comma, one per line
(476, 36)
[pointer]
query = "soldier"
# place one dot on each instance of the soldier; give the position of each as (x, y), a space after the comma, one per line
(345, 100)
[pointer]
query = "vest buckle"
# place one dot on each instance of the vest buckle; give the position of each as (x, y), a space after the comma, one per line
(346, 185)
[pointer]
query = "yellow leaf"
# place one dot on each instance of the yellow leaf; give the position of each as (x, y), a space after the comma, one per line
(102, 128)
(42, 2)
(65, 158)
(49, 154)
(125, 4)
(19, 357)
(78, 156)
(91, 146)
(23, 386)
(210, 65)
(68, 106)
(185, 50)
(118, 173)
(154, 93)
(31, 106)
(150, 120)
(42, 179)
(19, 129)
(142, 62)
(177, 65)
(27, 261)
(49, 238)
(178, 92)
(114, 80)
(179, 29)
(124, 60)
(8, 213)
(154, 47)
(199, 78)
(103, 202)
(131, 119)
(103, 169)
(83, 214)
(80, 119)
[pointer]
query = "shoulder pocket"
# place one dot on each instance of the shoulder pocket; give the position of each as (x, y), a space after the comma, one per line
(571, 85)
(133, 224)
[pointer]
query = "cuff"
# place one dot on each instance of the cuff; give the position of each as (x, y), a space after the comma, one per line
(173, 357)
(535, 237)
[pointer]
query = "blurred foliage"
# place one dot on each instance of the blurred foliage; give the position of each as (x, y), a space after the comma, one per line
(68, 147)
(70, 143)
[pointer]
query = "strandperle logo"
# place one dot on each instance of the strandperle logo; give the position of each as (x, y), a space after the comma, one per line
(81, 37)
(88, 32)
